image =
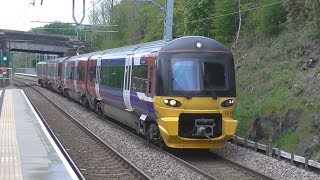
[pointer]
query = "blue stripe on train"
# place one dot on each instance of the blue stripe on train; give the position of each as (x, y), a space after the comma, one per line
(113, 62)
(114, 97)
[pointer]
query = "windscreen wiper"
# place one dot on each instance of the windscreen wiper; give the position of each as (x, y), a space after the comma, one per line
(184, 92)
(214, 94)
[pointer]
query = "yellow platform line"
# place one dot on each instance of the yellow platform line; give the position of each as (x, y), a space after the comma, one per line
(10, 165)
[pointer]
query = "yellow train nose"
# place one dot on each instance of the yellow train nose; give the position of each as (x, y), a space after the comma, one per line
(180, 126)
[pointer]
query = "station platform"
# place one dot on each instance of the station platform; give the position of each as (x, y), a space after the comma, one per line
(27, 151)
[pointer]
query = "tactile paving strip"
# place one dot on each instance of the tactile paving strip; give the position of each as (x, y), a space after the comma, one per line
(10, 165)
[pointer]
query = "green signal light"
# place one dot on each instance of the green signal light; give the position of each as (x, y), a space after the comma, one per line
(5, 56)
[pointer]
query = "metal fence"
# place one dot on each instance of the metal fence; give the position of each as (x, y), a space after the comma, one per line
(5, 77)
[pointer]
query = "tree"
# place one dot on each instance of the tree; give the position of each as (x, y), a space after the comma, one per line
(301, 12)
(180, 12)
(195, 19)
(136, 22)
(267, 18)
(225, 22)
(56, 28)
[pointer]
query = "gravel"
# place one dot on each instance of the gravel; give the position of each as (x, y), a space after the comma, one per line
(161, 166)
(264, 164)
(154, 162)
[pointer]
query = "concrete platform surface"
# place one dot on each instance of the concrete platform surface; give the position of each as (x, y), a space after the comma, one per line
(27, 150)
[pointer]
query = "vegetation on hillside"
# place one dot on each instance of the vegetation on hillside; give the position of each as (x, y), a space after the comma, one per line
(276, 47)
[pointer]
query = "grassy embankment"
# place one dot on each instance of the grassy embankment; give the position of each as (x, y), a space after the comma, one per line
(276, 87)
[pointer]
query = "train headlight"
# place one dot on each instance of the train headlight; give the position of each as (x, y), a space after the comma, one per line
(172, 102)
(199, 45)
(228, 103)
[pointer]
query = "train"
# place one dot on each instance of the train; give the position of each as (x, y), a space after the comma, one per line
(179, 94)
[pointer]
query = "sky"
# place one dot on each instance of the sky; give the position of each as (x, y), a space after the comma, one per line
(18, 14)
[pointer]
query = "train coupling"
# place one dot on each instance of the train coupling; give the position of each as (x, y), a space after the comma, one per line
(204, 127)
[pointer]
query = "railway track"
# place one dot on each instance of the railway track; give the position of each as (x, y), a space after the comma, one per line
(210, 165)
(94, 158)
(217, 166)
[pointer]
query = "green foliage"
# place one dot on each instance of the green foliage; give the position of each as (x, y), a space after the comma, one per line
(136, 22)
(266, 21)
(275, 102)
(225, 26)
(196, 22)
(180, 12)
(57, 28)
(289, 142)
(301, 12)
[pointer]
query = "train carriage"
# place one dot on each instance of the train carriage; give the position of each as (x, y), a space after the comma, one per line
(54, 79)
(180, 93)
(74, 76)
(41, 72)
(195, 93)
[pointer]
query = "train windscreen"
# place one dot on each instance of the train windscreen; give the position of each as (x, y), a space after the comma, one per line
(197, 75)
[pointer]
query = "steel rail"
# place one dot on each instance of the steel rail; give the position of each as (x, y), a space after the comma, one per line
(143, 174)
(56, 140)
(196, 169)
(126, 129)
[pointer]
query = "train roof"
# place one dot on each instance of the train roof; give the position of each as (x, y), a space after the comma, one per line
(132, 49)
(82, 57)
(189, 43)
(56, 60)
(42, 62)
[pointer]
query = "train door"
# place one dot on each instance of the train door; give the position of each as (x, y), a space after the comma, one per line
(55, 73)
(151, 81)
(65, 74)
(98, 79)
(59, 73)
(127, 82)
(151, 76)
(91, 77)
(75, 75)
(81, 76)
(70, 75)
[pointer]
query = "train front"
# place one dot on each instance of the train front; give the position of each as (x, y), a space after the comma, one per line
(195, 98)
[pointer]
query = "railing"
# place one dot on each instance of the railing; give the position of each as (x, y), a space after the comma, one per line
(278, 153)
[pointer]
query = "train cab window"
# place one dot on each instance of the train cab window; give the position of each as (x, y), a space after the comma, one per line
(92, 74)
(214, 75)
(199, 76)
(139, 78)
(185, 75)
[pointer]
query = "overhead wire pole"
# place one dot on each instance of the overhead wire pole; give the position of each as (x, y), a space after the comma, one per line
(168, 23)
(83, 15)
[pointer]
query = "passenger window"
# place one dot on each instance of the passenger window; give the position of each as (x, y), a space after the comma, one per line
(80, 73)
(72, 73)
(139, 78)
(92, 76)
(112, 76)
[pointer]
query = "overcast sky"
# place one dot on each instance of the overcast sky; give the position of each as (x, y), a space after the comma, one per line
(17, 14)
